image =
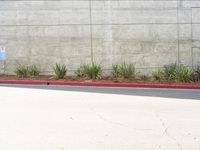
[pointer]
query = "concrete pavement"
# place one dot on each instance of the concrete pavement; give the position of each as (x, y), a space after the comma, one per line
(37, 119)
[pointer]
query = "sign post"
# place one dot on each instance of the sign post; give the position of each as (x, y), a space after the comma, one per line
(3, 57)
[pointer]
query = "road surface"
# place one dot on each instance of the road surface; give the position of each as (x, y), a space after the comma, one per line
(74, 118)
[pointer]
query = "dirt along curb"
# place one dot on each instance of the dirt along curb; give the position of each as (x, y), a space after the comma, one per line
(95, 84)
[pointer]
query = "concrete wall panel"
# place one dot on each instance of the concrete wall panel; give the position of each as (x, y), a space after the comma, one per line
(148, 33)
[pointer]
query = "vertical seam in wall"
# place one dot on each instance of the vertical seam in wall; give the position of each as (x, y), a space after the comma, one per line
(91, 31)
(192, 38)
(178, 36)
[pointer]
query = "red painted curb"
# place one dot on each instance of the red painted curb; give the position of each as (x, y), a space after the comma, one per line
(23, 82)
(95, 84)
(127, 85)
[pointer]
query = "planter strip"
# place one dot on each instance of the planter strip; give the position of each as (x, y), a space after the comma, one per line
(95, 84)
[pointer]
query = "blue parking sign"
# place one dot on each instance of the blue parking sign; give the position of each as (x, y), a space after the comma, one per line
(2, 54)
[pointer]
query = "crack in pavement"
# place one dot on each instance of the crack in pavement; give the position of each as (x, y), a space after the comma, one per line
(166, 132)
(111, 122)
(101, 117)
(107, 120)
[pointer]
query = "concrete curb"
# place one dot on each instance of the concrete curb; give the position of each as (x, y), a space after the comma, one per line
(95, 84)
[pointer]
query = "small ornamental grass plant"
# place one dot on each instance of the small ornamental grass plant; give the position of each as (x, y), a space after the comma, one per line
(126, 71)
(182, 74)
(33, 71)
(60, 71)
(158, 75)
(22, 71)
(198, 71)
(169, 71)
(174, 72)
(91, 71)
(116, 71)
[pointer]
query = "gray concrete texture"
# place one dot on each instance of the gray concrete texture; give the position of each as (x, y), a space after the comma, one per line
(148, 33)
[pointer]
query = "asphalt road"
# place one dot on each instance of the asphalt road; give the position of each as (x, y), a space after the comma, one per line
(168, 93)
(72, 118)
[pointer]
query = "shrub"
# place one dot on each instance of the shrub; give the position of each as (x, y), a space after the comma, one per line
(169, 71)
(158, 75)
(60, 71)
(93, 71)
(33, 71)
(22, 71)
(126, 71)
(182, 74)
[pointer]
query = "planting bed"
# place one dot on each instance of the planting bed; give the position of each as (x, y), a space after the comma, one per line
(48, 78)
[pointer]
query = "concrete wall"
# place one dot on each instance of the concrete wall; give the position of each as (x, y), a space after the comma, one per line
(148, 33)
